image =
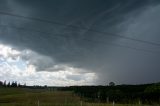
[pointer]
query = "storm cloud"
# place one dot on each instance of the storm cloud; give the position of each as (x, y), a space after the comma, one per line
(98, 36)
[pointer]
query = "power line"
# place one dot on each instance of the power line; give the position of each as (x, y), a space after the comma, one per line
(82, 28)
(88, 40)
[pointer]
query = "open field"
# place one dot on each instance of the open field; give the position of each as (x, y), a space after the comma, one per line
(27, 97)
(30, 97)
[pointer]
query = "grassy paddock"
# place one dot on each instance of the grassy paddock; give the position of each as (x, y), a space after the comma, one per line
(31, 97)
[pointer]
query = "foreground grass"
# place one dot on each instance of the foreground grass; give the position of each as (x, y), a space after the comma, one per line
(32, 97)
(28, 97)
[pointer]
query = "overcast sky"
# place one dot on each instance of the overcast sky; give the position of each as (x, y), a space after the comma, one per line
(80, 42)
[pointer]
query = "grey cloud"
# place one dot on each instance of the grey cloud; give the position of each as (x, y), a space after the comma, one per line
(75, 77)
(81, 47)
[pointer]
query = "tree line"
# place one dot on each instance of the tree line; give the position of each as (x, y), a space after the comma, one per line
(11, 84)
(146, 93)
(17, 84)
(131, 94)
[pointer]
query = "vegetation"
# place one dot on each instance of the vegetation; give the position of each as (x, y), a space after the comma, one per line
(39, 97)
(131, 94)
(118, 95)
(33, 97)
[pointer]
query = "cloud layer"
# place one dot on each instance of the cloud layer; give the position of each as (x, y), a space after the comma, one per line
(60, 34)
(21, 66)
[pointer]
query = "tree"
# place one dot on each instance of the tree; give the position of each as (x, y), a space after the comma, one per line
(19, 85)
(4, 84)
(1, 83)
(14, 84)
(111, 84)
(8, 85)
(153, 89)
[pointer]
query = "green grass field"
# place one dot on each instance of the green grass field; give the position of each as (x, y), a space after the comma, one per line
(30, 97)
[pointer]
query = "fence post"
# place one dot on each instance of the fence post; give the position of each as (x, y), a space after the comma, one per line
(113, 103)
(107, 100)
(139, 102)
(38, 103)
(81, 103)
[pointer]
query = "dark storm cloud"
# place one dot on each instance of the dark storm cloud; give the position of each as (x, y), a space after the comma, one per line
(72, 36)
